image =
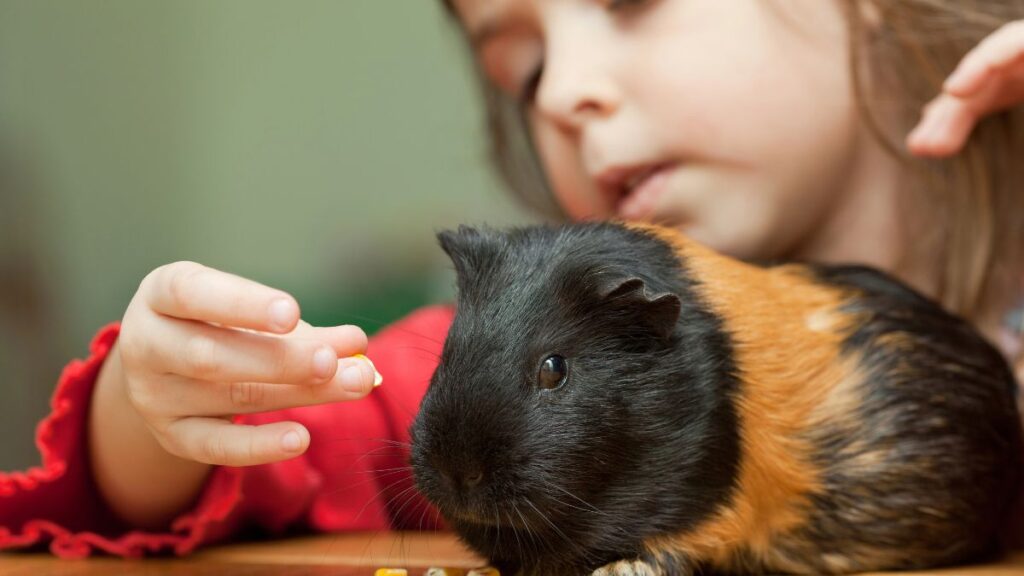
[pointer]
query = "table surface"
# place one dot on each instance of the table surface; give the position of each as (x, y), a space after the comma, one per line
(349, 554)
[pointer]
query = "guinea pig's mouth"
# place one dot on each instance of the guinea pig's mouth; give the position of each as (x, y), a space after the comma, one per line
(499, 516)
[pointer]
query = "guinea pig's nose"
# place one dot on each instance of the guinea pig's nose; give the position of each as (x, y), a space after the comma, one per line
(473, 478)
(463, 479)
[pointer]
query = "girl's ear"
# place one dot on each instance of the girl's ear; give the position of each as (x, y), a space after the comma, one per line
(657, 313)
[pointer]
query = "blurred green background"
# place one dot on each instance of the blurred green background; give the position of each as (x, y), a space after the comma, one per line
(314, 146)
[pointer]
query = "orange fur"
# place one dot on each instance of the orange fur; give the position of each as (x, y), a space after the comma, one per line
(786, 331)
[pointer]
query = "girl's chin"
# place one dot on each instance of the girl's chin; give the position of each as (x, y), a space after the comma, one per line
(722, 242)
(678, 222)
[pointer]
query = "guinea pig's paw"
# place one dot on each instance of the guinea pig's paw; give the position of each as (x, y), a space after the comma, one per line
(628, 568)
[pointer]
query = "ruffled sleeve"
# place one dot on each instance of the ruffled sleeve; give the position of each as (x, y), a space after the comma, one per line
(336, 485)
(58, 504)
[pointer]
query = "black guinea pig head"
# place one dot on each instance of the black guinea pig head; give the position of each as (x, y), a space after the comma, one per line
(529, 420)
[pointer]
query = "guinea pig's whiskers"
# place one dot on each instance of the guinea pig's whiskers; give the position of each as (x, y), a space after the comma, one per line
(426, 351)
(387, 505)
(366, 480)
(389, 470)
(388, 441)
(409, 499)
(375, 452)
(568, 541)
(396, 401)
(519, 543)
(376, 496)
(567, 505)
(529, 532)
(423, 516)
(437, 516)
(376, 475)
(400, 448)
(386, 476)
(589, 506)
(497, 524)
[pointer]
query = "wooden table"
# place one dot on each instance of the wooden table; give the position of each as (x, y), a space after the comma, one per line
(334, 555)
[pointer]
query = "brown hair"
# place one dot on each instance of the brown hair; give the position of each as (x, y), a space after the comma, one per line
(901, 52)
(975, 199)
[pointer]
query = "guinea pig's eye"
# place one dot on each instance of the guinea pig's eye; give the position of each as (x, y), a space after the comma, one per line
(553, 371)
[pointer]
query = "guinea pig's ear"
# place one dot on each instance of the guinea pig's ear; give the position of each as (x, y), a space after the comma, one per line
(658, 313)
(470, 249)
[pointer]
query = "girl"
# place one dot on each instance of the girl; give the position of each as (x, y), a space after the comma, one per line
(763, 129)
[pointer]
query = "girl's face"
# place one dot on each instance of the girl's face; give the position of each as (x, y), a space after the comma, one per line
(733, 120)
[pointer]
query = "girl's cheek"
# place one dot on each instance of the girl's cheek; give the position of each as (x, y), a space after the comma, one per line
(568, 182)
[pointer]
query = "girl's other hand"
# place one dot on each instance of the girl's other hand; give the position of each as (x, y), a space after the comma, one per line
(990, 78)
(198, 346)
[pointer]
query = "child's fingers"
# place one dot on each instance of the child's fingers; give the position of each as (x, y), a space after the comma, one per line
(346, 340)
(199, 350)
(944, 128)
(176, 396)
(988, 79)
(192, 291)
(218, 442)
(1001, 49)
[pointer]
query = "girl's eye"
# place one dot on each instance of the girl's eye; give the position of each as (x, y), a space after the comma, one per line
(553, 372)
(529, 91)
(621, 4)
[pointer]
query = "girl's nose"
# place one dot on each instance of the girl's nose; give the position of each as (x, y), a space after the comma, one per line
(577, 83)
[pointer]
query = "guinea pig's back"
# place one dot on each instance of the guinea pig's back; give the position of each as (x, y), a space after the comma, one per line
(877, 431)
(922, 468)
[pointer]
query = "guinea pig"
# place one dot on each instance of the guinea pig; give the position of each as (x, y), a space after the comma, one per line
(618, 399)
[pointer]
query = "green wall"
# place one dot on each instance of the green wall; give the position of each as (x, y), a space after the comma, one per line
(314, 146)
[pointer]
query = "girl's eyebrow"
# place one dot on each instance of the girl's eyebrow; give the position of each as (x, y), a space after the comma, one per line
(484, 32)
(491, 22)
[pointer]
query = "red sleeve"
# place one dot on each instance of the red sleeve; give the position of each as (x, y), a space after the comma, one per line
(353, 477)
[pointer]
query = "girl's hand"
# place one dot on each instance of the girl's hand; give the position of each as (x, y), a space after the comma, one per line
(198, 346)
(990, 78)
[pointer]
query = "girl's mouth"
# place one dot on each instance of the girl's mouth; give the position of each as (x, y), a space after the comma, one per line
(639, 193)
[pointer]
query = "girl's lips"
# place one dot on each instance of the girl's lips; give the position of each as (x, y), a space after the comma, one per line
(639, 202)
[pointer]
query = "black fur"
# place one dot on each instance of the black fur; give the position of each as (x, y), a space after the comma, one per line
(641, 440)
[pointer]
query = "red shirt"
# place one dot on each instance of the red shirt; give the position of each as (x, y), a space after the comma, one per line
(348, 479)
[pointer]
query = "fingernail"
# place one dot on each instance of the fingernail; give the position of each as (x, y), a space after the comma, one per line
(377, 378)
(325, 362)
(355, 375)
(280, 314)
(353, 379)
(291, 441)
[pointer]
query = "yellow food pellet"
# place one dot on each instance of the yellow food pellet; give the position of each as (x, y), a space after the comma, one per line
(377, 378)
(391, 572)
